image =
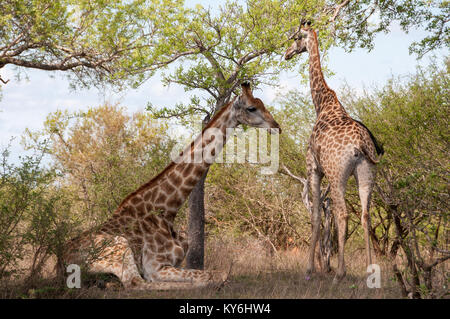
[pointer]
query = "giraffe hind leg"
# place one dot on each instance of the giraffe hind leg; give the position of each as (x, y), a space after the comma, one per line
(118, 259)
(365, 176)
(339, 209)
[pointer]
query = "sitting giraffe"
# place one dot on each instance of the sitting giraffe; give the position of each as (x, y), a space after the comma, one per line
(339, 147)
(138, 243)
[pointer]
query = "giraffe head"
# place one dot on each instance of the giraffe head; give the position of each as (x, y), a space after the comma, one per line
(301, 39)
(251, 111)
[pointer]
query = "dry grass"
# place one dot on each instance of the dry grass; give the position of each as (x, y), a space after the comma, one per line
(258, 274)
(255, 273)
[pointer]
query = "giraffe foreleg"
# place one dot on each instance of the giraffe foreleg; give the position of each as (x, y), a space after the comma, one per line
(193, 276)
(314, 180)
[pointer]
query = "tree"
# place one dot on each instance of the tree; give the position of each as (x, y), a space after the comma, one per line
(102, 155)
(96, 41)
(361, 20)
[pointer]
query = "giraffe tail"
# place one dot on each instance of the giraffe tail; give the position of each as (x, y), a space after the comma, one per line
(378, 147)
(370, 156)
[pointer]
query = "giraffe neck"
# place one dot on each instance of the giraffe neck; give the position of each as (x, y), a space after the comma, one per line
(323, 97)
(169, 190)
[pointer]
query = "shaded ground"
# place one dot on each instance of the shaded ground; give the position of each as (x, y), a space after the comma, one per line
(254, 274)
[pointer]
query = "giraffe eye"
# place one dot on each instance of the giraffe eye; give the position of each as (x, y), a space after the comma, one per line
(251, 109)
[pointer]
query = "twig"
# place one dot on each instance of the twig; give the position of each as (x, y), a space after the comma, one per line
(402, 283)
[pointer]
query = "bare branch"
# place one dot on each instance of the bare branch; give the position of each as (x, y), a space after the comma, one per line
(51, 66)
(300, 179)
(436, 262)
(338, 9)
(305, 194)
(184, 113)
(171, 59)
(401, 281)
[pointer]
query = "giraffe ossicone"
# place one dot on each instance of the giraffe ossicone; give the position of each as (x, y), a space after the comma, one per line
(339, 147)
(139, 243)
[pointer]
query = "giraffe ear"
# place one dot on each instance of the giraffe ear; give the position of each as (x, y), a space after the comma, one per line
(246, 89)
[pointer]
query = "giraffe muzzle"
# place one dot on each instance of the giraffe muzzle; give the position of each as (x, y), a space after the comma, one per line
(275, 129)
(288, 55)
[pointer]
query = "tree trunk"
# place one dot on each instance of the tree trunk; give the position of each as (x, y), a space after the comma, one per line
(196, 226)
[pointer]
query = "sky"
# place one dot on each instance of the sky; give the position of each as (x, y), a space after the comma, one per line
(26, 103)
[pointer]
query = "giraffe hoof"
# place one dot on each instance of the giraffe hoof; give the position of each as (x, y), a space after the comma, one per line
(336, 281)
(338, 278)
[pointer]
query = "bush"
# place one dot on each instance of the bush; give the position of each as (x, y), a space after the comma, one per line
(102, 155)
(410, 115)
(35, 216)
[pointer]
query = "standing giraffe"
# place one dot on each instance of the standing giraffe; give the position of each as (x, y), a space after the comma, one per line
(138, 243)
(339, 147)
